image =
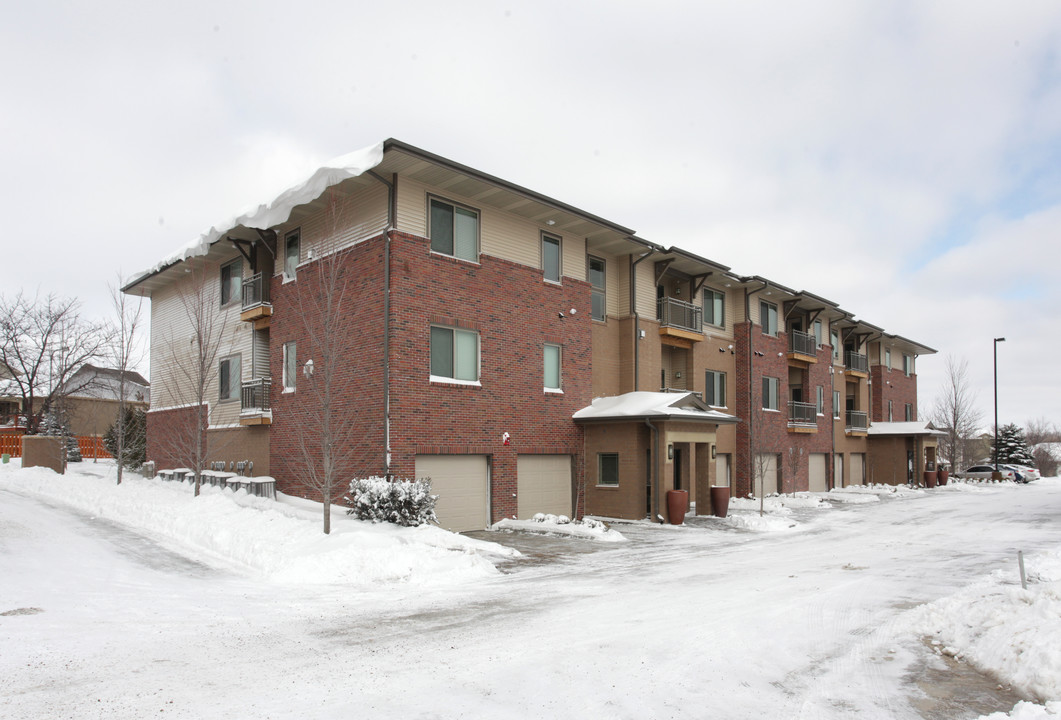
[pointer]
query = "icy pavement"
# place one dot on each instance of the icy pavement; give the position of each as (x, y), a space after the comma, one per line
(705, 620)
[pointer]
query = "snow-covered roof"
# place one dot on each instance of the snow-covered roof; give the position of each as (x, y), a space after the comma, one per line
(649, 405)
(277, 210)
(903, 428)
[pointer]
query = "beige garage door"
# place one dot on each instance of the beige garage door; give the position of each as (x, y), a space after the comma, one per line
(818, 481)
(858, 468)
(838, 470)
(462, 483)
(766, 464)
(543, 485)
(722, 469)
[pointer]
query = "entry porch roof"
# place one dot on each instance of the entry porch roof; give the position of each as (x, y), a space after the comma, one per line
(652, 406)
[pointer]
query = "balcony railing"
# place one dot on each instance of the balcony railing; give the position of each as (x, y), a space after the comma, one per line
(857, 420)
(254, 396)
(801, 413)
(675, 313)
(255, 291)
(802, 343)
(856, 362)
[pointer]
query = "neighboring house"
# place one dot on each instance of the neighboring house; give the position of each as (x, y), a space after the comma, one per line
(525, 354)
(10, 399)
(89, 399)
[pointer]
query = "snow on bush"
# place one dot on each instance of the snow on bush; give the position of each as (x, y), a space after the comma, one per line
(403, 502)
(550, 524)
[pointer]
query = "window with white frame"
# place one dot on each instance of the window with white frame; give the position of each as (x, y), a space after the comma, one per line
(454, 230)
(890, 418)
(768, 317)
(821, 400)
(715, 388)
(908, 365)
(888, 358)
(454, 354)
(596, 281)
(817, 333)
(834, 338)
(552, 367)
(770, 392)
(608, 469)
(714, 308)
(292, 249)
(551, 258)
(290, 366)
(836, 404)
(909, 410)
(231, 281)
(228, 378)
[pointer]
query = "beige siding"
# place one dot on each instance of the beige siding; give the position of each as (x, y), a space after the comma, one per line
(344, 222)
(646, 289)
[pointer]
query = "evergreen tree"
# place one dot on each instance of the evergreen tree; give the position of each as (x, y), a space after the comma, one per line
(1012, 447)
(134, 452)
(54, 425)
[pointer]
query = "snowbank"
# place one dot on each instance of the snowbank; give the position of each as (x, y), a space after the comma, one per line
(760, 523)
(878, 489)
(282, 542)
(561, 525)
(781, 504)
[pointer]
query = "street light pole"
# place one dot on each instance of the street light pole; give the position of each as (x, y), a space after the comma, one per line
(997, 341)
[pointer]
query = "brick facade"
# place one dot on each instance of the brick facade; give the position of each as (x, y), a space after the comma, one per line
(896, 386)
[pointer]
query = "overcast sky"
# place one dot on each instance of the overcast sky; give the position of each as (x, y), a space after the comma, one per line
(899, 158)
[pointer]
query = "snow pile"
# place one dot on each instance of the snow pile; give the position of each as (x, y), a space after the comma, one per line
(760, 523)
(879, 489)
(561, 525)
(781, 504)
(1000, 628)
(848, 496)
(278, 541)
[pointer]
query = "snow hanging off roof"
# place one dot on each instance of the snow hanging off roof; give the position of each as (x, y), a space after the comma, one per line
(903, 428)
(644, 404)
(277, 210)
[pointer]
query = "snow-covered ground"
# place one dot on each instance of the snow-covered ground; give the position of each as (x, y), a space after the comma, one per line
(125, 602)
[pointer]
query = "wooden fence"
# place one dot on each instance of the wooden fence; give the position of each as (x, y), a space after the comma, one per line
(91, 447)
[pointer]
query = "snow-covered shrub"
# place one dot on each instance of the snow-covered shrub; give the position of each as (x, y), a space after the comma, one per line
(402, 502)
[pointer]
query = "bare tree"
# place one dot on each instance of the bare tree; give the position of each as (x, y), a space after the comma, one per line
(956, 414)
(1040, 433)
(43, 341)
(125, 353)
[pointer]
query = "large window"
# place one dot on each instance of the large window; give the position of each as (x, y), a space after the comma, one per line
(714, 308)
(908, 365)
(454, 354)
(817, 333)
(292, 243)
(888, 358)
(552, 367)
(770, 392)
(228, 378)
(608, 469)
(231, 281)
(834, 338)
(551, 257)
(454, 230)
(909, 412)
(715, 388)
(820, 402)
(596, 280)
(768, 317)
(290, 366)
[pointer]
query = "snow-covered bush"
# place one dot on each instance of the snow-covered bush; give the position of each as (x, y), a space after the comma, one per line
(402, 502)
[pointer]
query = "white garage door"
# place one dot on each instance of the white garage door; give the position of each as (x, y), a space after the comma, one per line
(858, 467)
(462, 483)
(838, 470)
(818, 482)
(543, 485)
(766, 464)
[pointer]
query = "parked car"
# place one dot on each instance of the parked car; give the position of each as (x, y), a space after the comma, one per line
(1024, 473)
(985, 472)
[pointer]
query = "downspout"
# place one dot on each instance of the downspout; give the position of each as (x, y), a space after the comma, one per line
(637, 319)
(653, 476)
(391, 217)
(751, 381)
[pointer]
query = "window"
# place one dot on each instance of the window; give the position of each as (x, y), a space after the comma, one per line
(834, 338)
(455, 354)
(596, 280)
(292, 244)
(770, 386)
(231, 281)
(551, 258)
(821, 400)
(889, 411)
(715, 388)
(552, 367)
(714, 308)
(454, 230)
(908, 365)
(290, 366)
(608, 469)
(228, 378)
(768, 317)
(817, 333)
(836, 404)
(888, 358)
(909, 412)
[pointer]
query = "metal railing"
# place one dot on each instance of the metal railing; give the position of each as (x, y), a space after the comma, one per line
(255, 394)
(857, 420)
(854, 361)
(802, 343)
(256, 290)
(801, 413)
(675, 313)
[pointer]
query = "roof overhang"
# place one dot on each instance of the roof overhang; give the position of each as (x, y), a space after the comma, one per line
(652, 406)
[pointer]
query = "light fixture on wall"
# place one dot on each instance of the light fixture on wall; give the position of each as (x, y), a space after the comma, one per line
(550, 223)
(670, 452)
(712, 452)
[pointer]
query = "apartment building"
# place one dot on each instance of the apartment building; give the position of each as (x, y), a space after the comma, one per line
(526, 355)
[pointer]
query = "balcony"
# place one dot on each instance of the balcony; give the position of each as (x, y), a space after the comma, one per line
(856, 364)
(681, 323)
(802, 347)
(254, 402)
(257, 303)
(802, 417)
(857, 423)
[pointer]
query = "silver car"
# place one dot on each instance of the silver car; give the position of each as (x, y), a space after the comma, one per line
(985, 472)
(1024, 473)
